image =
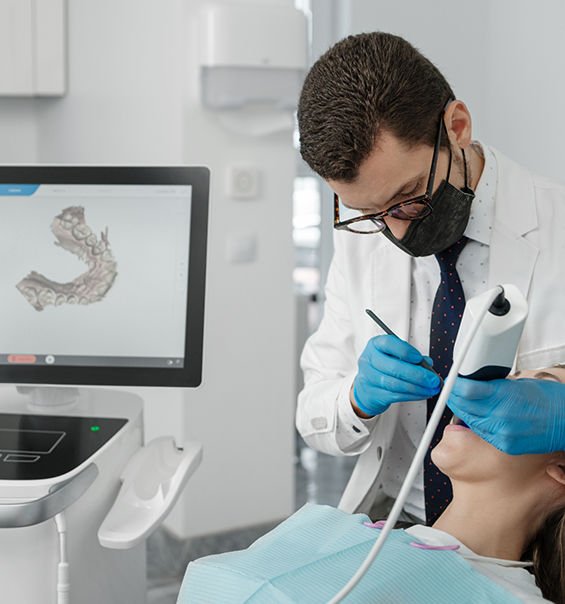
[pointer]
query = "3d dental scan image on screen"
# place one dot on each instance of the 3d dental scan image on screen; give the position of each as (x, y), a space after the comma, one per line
(74, 235)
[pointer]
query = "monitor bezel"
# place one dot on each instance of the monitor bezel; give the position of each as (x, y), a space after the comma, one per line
(190, 376)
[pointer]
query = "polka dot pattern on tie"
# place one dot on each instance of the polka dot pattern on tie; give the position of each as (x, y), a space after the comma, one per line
(448, 307)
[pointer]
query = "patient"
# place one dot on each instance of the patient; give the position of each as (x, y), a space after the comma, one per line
(507, 519)
(505, 506)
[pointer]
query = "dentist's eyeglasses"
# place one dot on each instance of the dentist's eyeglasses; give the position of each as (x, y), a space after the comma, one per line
(412, 209)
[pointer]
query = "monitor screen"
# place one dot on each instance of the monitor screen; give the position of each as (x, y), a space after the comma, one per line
(103, 274)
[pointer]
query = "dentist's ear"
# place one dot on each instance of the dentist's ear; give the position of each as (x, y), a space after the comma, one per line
(458, 124)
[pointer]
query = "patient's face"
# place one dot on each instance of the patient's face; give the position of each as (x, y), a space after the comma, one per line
(464, 456)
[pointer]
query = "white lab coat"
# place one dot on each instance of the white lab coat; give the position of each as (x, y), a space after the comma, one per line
(527, 249)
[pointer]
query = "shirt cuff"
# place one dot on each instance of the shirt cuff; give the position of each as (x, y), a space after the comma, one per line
(352, 432)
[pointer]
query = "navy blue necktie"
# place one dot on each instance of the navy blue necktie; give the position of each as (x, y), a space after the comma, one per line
(449, 304)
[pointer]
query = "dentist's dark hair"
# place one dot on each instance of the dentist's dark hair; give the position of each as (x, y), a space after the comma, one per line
(365, 85)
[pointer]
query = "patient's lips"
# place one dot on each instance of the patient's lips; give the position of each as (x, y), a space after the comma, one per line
(457, 425)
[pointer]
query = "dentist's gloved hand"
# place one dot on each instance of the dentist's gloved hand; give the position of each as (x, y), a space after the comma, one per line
(389, 373)
(516, 416)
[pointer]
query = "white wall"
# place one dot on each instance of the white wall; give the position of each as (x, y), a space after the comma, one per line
(126, 93)
(18, 130)
(248, 383)
(502, 57)
(133, 99)
(526, 86)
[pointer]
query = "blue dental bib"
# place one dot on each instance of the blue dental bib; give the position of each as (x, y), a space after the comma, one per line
(308, 558)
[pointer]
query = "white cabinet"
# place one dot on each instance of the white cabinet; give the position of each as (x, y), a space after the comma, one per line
(32, 47)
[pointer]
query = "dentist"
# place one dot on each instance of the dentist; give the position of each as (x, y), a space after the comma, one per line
(381, 125)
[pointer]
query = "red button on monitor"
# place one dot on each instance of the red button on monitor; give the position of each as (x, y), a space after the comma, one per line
(21, 358)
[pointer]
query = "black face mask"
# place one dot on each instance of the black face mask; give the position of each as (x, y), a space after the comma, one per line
(443, 227)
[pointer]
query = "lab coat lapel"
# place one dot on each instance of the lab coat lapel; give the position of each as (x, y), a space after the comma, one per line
(391, 288)
(512, 257)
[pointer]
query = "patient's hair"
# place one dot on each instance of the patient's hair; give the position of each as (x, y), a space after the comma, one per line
(361, 86)
(547, 551)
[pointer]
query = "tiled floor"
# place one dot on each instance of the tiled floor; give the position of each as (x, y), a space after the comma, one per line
(319, 479)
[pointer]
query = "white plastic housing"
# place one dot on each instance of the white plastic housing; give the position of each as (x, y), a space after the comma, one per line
(152, 482)
(254, 35)
(28, 573)
(252, 54)
(493, 349)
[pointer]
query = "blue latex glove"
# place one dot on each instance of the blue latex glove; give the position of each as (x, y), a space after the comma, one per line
(516, 416)
(389, 373)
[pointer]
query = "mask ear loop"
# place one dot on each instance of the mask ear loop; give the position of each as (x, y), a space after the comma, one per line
(464, 166)
(450, 152)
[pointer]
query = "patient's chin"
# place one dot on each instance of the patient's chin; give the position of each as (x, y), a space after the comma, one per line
(445, 456)
(458, 451)
(455, 464)
(464, 456)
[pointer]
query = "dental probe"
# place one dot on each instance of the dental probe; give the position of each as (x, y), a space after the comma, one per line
(389, 331)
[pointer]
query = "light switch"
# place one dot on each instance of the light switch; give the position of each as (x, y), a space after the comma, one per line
(241, 248)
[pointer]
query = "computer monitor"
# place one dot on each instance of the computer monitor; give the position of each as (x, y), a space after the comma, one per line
(102, 275)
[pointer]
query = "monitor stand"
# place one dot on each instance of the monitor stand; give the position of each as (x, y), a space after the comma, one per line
(50, 396)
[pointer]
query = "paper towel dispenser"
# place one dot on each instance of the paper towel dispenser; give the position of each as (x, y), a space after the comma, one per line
(252, 54)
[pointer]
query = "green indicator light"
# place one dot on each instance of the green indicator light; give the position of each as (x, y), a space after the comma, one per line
(95, 428)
